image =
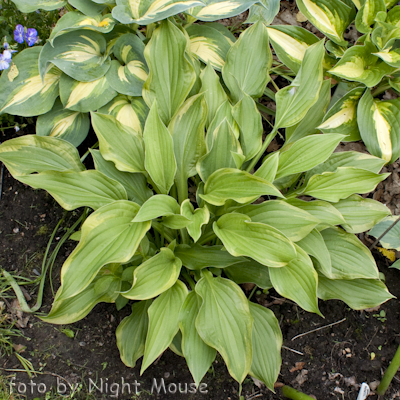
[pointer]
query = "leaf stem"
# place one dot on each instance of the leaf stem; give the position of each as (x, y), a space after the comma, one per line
(182, 187)
(207, 237)
(390, 373)
(293, 394)
(188, 278)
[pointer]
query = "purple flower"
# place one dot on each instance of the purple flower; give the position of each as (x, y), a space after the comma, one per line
(19, 33)
(31, 36)
(5, 60)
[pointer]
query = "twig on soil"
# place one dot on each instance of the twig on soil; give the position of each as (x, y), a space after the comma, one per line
(253, 396)
(376, 331)
(37, 372)
(292, 350)
(383, 234)
(318, 329)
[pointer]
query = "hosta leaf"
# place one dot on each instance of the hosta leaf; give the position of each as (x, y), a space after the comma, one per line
(361, 214)
(197, 257)
(342, 116)
(298, 281)
(134, 184)
(77, 189)
(307, 153)
(264, 11)
(249, 121)
(198, 218)
(358, 294)
(22, 90)
(119, 143)
(187, 130)
(176, 221)
(249, 271)
(295, 100)
(108, 236)
(367, 13)
(131, 333)
(331, 17)
(87, 7)
(71, 126)
(171, 73)
(267, 342)
(85, 96)
(28, 6)
(333, 186)
(75, 20)
(144, 12)
(213, 92)
(128, 74)
(159, 160)
(224, 322)
(154, 276)
(80, 54)
(220, 9)
(391, 240)
(31, 153)
(234, 184)
(209, 44)
(350, 258)
(163, 322)
(198, 355)
(263, 243)
(293, 222)
(269, 167)
(157, 206)
(290, 44)
(248, 62)
(359, 64)
(379, 124)
(393, 15)
(130, 111)
(78, 306)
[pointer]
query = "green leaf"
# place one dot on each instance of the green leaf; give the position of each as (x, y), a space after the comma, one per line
(291, 221)
(298, 281)
(198, 218)
(31, 153)
(248, 62)
(249, 271)
(87, 7)
(163, 322)
(361, 214)
(198, 355)
(380, 127)
(144, 12)
(219, 9)
(331, 17)
(22, 90)
(350, 258)
(333, 186)
(85, 96)
(196, 257)
(119, 143)
(157, 206)
(269, 167)
(264, 11)
(307, 153)
(224, 322)
(367, 13)
(80, 54)
(108, 236)
(249, 121)
(267, 342)
(159, 161)
(358, 294)
(391, 240)
(342, 116)
(128, 74)
(134, 184)
(28, 6)
(131, 333)
(293, 101)
(263, 243)
(71, 126)
(154, 276)
(171, 73)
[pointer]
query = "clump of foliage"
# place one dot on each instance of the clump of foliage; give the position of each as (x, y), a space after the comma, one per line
(187, 202)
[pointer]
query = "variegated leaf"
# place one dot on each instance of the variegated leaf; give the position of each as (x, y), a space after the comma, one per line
(22, 90)
(144, 12)
(367, 13)
(28, 6)
(65, 124)
(264, 11)
(85, 96)
(80, 54)
(88, 7)
(220, 9)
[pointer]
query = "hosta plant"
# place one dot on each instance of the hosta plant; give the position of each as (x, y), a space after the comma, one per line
(188, 204)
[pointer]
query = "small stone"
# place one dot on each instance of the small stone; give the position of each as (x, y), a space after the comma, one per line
(82, 344)
(166, 375)
(16, 230)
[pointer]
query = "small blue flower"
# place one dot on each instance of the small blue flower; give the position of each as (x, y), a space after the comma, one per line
(31, 36)
(8, 49)
(5, 60)
(19, 33)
